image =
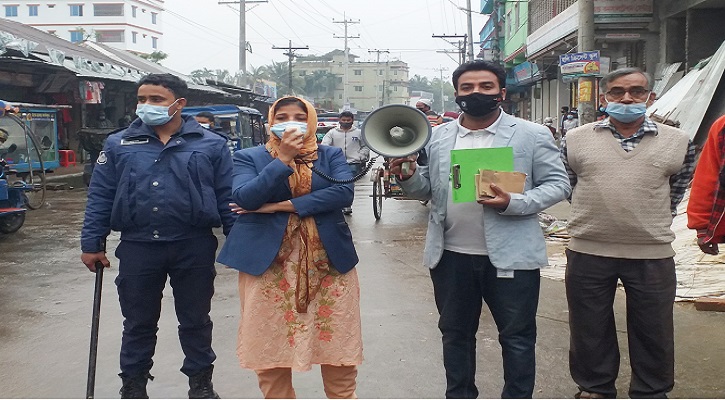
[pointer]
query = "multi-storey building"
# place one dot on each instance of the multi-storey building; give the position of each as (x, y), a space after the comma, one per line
(133, 25)
(370, 84)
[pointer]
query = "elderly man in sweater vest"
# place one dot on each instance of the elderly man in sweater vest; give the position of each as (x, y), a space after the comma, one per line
(628, 174)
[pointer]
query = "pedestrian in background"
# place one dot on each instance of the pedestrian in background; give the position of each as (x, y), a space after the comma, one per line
(628, 174)
(706, 207)
(571, 122)
(164, 183)
(425, 106)
(299, 290)
(348, 138)
(491, 250)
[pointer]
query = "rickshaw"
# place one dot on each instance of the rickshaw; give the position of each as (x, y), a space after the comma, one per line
(22, 171)
(242, 125)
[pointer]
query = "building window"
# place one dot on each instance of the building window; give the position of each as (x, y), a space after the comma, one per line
(153, 18)
(358, 88)
(352, 105)
(155, 42)
(133, 11)
(303, 73)
(11, 11)
(380, 88)
(395, 72)
(340, 96)
(33, 11)
(395, 88)
(108, 10)
(134, 36)
(76, 36)
(380, 72)
(76, 10)
(110, 36)
(358, 72)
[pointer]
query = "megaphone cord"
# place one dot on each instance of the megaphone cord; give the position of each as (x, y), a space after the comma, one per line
(357, 177)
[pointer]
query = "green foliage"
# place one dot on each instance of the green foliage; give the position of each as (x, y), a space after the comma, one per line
(156, 56)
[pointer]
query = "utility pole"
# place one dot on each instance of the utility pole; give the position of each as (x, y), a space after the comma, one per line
(441, 69)
(461, 47)
(495, 46)
(470, 30)
(242, 30)
(377, 74)
(291, 54)
(587, 98)
(347, 55)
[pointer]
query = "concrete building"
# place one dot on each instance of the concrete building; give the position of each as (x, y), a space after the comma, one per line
(648, 34)
(370, 84)
(134, 25)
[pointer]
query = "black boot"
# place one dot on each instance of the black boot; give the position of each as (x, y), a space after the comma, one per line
(134, 386)
(200, 386)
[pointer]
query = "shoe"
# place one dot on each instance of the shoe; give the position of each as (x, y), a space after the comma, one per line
(347, 210)
(583, 394)
(134, 386)
(200, 386)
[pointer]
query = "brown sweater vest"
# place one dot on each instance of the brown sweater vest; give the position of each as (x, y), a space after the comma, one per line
(621, 202)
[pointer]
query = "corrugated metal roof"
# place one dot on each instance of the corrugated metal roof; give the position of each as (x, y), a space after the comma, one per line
(86, 60)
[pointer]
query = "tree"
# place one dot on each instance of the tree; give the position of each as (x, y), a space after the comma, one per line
(320, 83)
(448, 91)
(202, 74)
(155, 57)
(419, 83)
(279, 73)
(255, 76)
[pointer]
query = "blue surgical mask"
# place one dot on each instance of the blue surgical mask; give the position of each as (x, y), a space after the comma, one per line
(278, 129)
(154, 115)
(626, 112)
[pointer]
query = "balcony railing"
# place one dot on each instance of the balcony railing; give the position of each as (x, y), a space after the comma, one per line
(542, 11)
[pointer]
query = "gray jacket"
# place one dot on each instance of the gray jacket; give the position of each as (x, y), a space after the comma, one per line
(513, 236)
(350, 142)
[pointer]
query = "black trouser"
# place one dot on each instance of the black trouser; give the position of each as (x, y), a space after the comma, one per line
(141, 279)
(460, 283)
(591, 283)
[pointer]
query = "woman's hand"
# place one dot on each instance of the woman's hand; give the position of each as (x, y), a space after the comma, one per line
(291, 144)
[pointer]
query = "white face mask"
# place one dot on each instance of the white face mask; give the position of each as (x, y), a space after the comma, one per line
(207, 126)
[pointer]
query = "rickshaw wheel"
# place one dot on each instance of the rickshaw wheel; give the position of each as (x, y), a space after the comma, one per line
(11, 223)
(35, 198)
(378, 196)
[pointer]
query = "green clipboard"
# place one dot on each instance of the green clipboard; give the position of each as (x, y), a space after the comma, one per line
(465, 164)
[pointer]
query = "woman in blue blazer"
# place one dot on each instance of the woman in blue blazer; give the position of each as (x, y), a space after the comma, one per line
(300, 295)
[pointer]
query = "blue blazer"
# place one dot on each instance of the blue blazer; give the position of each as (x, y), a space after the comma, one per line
(255, 239)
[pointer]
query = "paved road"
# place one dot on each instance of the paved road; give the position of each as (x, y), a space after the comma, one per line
(46, 296)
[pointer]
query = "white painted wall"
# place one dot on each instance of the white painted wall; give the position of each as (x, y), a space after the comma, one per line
(54, 15)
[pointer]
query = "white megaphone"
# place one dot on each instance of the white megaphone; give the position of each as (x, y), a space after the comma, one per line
(396, 131)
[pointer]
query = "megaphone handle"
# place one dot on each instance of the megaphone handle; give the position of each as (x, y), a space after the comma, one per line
(405, 168)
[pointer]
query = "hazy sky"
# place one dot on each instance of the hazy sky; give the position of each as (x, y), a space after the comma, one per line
(202, 33)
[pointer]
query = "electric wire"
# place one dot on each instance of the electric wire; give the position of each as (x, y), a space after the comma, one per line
(294, 31)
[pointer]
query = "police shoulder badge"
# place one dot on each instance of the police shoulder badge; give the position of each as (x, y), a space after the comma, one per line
(102, 159)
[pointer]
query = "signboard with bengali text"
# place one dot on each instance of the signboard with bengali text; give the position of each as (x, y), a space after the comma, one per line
(580, 64)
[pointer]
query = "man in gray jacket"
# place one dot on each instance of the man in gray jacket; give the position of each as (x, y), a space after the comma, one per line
(347, 137)
(491, 250)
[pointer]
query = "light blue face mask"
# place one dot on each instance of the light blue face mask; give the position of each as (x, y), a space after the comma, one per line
(154, 115)
(626, 112)
(278, 129)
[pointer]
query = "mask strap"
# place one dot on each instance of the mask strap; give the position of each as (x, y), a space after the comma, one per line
(172, 115)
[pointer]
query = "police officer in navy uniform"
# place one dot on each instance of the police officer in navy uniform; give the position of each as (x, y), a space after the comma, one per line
(164, 183)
